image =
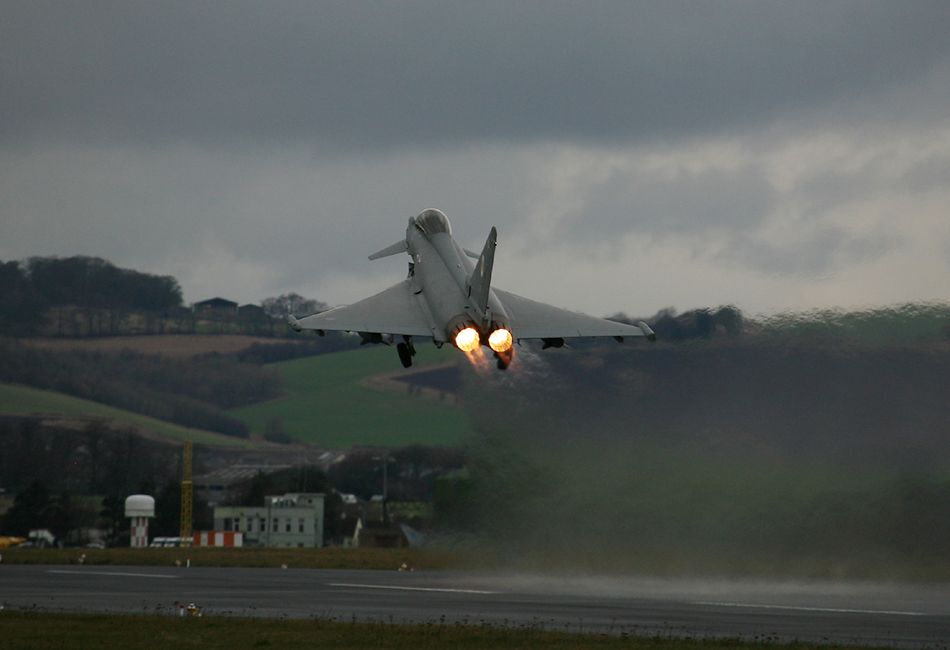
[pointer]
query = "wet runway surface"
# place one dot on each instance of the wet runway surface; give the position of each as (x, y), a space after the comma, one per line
(836, 612)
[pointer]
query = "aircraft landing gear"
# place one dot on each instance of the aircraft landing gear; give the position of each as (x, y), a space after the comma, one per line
(405, 356)
(406, 351)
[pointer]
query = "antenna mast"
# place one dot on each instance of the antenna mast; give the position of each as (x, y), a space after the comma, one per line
(187, 490)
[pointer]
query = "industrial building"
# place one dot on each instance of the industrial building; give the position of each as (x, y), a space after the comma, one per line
(293, 520)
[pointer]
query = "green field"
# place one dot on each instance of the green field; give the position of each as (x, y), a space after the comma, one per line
(327, 404)
(23, 400)
(47, 630)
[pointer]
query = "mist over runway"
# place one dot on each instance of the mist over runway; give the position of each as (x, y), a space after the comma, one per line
(892, 614)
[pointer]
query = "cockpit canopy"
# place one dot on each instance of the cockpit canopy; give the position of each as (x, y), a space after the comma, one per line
(433, 221)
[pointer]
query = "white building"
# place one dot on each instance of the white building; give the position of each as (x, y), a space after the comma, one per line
(291, 520)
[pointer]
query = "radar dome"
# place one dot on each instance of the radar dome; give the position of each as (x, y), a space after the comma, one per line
(139, 505)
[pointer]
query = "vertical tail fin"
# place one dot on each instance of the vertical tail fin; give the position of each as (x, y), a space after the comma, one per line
(480, 282)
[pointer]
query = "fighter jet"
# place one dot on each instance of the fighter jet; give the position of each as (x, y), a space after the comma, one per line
(450, 298)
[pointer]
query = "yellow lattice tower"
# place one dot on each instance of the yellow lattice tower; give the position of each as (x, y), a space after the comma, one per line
(186, 491)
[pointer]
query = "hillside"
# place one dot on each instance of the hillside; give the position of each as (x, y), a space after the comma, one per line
(889, 325)
(332, 401)
(23, 400)
(335, 399)
(171, 345)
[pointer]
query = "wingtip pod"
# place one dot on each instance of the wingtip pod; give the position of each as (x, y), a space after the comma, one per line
(297, 326)
(647, 332)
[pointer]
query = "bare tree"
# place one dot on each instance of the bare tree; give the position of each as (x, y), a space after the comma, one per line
(291, 303)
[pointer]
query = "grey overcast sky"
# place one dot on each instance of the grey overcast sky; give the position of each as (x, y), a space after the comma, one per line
(633, 155)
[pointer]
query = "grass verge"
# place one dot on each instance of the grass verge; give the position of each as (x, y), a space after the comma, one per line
(608, 561)
(298, 558)
(42, 631)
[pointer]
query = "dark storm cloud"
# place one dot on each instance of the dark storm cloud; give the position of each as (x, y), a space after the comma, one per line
(879, 174)
(719, 212)
(363, 76)
(691, 202)
(819, 255)
(253, 148)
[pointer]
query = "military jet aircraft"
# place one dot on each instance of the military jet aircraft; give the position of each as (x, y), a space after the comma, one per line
(449, 298)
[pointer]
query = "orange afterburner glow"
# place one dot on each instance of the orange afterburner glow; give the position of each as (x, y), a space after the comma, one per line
(500, 340)
(467, 339)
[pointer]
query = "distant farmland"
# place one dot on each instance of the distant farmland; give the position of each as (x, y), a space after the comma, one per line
(24, 400)
(172, 345)
(332, 401)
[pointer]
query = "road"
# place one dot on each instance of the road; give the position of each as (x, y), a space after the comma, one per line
(899, 615)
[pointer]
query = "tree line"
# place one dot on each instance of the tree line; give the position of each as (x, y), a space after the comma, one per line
(71, 476)
(88, 296)
(69, 479)
(28, 289)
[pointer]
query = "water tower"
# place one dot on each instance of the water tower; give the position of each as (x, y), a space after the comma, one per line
(139, 507)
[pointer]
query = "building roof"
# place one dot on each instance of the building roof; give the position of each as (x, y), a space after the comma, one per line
(295, 499)
(229, 475)
(252, 312)
(216, 302)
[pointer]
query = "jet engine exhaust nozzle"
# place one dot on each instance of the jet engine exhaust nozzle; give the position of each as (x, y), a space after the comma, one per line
(500, 340)
(467, 340)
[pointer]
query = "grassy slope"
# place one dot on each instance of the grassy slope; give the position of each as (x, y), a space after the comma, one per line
(327, 405)
(168, 345)
(23, 400)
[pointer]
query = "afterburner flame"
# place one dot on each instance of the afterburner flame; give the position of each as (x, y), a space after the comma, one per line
(467, 339)
(500, 340)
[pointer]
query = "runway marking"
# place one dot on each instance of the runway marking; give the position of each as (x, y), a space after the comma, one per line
(112, 573)
(836, 610)
(399, 588)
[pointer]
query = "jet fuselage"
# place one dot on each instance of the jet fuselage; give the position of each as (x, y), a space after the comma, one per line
(441, 277)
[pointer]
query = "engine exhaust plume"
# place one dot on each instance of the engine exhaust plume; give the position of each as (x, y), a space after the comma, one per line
(500, 340)
(467, 339)
(479, 360)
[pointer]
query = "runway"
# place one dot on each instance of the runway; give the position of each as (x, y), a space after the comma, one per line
(899, 615)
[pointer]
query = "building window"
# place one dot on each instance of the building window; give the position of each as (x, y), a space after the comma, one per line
(300, 526)
(274, 526)
(237, 524)
(227, 523)
(250, 524)
(287, 525)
